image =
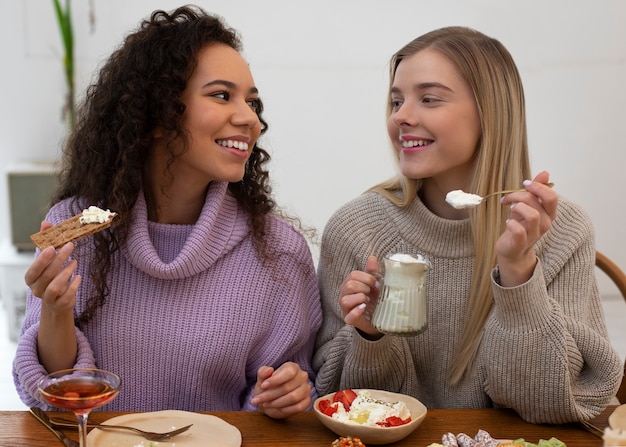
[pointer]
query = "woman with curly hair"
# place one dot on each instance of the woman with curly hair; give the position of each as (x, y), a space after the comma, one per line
(201, 296)
(515, 318)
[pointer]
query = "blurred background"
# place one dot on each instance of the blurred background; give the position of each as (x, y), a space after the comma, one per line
(321, 68)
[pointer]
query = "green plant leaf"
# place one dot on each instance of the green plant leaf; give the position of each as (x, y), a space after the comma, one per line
(64, 21)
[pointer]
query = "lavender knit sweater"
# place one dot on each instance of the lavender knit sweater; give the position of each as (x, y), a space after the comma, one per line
(192, 312)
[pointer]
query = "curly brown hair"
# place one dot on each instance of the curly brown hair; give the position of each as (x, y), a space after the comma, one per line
(138, 90)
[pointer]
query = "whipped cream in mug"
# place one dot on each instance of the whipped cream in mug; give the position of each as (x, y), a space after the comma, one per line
(402, 308)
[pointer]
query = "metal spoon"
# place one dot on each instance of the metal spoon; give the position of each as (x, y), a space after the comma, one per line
(459, 199)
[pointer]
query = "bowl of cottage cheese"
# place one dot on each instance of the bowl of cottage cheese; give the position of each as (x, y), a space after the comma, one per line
(373, 416)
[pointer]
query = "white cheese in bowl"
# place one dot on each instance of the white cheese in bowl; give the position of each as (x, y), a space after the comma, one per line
(369, 411)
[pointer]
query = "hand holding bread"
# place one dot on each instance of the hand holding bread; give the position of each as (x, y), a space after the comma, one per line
(90, 221)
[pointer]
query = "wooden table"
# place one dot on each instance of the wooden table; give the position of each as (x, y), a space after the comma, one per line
(20, 429)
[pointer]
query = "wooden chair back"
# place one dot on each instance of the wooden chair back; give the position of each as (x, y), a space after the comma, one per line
(619, 278)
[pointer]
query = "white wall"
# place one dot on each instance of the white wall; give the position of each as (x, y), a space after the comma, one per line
(321, 67)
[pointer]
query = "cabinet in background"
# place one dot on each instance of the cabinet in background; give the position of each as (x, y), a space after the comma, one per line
(13, 265)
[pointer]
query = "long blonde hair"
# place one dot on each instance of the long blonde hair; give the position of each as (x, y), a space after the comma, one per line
(501, 159)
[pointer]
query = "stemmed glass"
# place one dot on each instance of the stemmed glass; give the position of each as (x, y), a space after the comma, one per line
(80, 390)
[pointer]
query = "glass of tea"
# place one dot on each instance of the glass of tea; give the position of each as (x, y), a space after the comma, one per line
(80, 390)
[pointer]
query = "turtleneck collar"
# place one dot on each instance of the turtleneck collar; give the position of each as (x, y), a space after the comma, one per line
(421, 227)
(218, 229)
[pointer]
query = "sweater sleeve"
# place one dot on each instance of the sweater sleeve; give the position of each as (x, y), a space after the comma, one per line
(298, 317)
(27, 369)
(545, 351)
(343, 358)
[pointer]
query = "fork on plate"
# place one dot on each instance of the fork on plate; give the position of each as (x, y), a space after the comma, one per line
(150, 436)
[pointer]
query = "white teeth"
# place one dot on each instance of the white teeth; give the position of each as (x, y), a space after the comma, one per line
(241, 145)
(413, 143)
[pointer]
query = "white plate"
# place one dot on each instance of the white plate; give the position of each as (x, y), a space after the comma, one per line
(205, 427)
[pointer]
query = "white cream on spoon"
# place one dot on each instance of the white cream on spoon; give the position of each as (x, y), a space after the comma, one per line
(459, 199)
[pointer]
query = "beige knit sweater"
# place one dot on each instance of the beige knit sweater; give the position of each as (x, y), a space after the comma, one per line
(545, 350)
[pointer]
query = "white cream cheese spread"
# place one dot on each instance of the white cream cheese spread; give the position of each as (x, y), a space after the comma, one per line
(93, 214)
(459, 199)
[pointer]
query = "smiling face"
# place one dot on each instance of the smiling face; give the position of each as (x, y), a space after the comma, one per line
(220, 118)
(434, 123)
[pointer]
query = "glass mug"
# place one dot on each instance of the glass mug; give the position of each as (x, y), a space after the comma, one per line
(402, 308)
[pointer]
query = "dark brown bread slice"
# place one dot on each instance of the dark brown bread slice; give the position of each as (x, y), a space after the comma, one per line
(69, 230)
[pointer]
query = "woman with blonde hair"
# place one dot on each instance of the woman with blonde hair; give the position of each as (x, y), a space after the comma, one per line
(515, 318)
